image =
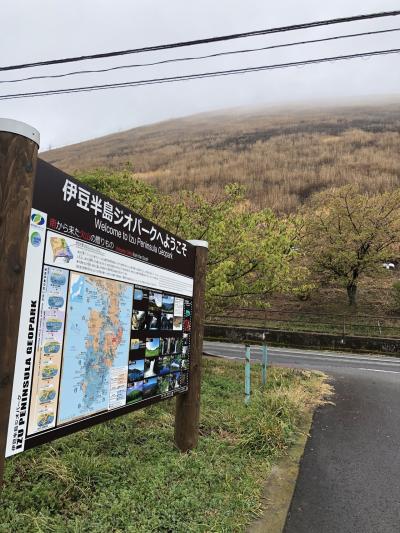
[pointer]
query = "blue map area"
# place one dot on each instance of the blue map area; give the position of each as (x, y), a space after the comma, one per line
(97, 337)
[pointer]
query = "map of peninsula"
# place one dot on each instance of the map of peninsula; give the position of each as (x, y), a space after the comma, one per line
(60, 249)
(97, 334)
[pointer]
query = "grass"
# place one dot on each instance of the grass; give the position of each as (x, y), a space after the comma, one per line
(336, 325)
(126, 475)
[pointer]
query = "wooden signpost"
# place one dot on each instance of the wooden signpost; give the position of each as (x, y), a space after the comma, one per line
(18, 155)
(70, 254)
(187, 414)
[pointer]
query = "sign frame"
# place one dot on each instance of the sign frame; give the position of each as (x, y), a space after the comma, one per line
(49, 176)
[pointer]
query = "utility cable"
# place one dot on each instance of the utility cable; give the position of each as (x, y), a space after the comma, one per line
(187, 77)
(196, 58)
(208, 40)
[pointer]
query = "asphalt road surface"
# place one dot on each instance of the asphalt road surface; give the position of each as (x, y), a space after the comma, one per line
(349, 480)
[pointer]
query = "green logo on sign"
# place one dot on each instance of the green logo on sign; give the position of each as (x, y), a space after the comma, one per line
(36, 239)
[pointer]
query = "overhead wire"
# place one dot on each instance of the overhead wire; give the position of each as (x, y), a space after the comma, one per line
(207, 40)
(208, 56)
(187, 77)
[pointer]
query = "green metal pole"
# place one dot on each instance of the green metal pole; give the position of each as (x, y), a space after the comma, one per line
(264, 364)
(247, 384)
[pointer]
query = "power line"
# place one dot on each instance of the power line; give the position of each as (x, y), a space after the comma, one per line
(205, 41)
(187, 77)
(196, 58)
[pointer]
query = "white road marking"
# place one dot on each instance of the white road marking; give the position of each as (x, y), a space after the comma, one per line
(378, 370)
(350, 367)
(230, 357)
(342, 359)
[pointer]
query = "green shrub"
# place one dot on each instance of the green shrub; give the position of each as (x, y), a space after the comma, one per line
(395, 294)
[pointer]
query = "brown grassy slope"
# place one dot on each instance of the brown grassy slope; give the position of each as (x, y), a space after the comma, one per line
(280, 157)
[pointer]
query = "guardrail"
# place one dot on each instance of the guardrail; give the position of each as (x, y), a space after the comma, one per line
(358, 325)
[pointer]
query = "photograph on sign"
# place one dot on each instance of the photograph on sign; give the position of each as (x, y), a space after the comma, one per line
(106, 313)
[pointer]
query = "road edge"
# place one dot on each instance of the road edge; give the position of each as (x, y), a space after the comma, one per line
(280, 484)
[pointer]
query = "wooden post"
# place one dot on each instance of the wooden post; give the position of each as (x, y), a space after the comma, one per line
(187, 414)
(18, 154)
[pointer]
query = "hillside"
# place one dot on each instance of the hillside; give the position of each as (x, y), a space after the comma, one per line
(281, 157)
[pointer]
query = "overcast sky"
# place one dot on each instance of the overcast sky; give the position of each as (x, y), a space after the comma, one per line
(49, 29)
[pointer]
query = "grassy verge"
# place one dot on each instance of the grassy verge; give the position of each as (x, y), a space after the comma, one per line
(126, 475)
(304, 325)
(358, 326)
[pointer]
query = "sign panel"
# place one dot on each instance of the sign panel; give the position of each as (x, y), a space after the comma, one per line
(106, 313)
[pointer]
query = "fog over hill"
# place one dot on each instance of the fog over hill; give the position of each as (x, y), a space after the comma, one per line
(280, 155)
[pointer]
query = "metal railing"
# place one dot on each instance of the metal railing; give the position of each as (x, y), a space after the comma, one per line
(358, 325)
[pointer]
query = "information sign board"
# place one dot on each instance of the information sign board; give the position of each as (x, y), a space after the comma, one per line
(106, 313)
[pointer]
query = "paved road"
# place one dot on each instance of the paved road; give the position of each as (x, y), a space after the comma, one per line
(349, 480)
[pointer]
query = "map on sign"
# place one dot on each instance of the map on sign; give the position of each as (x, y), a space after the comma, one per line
(60, 248)
(97, 336)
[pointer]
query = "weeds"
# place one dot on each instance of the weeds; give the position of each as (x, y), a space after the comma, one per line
(126, 475)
